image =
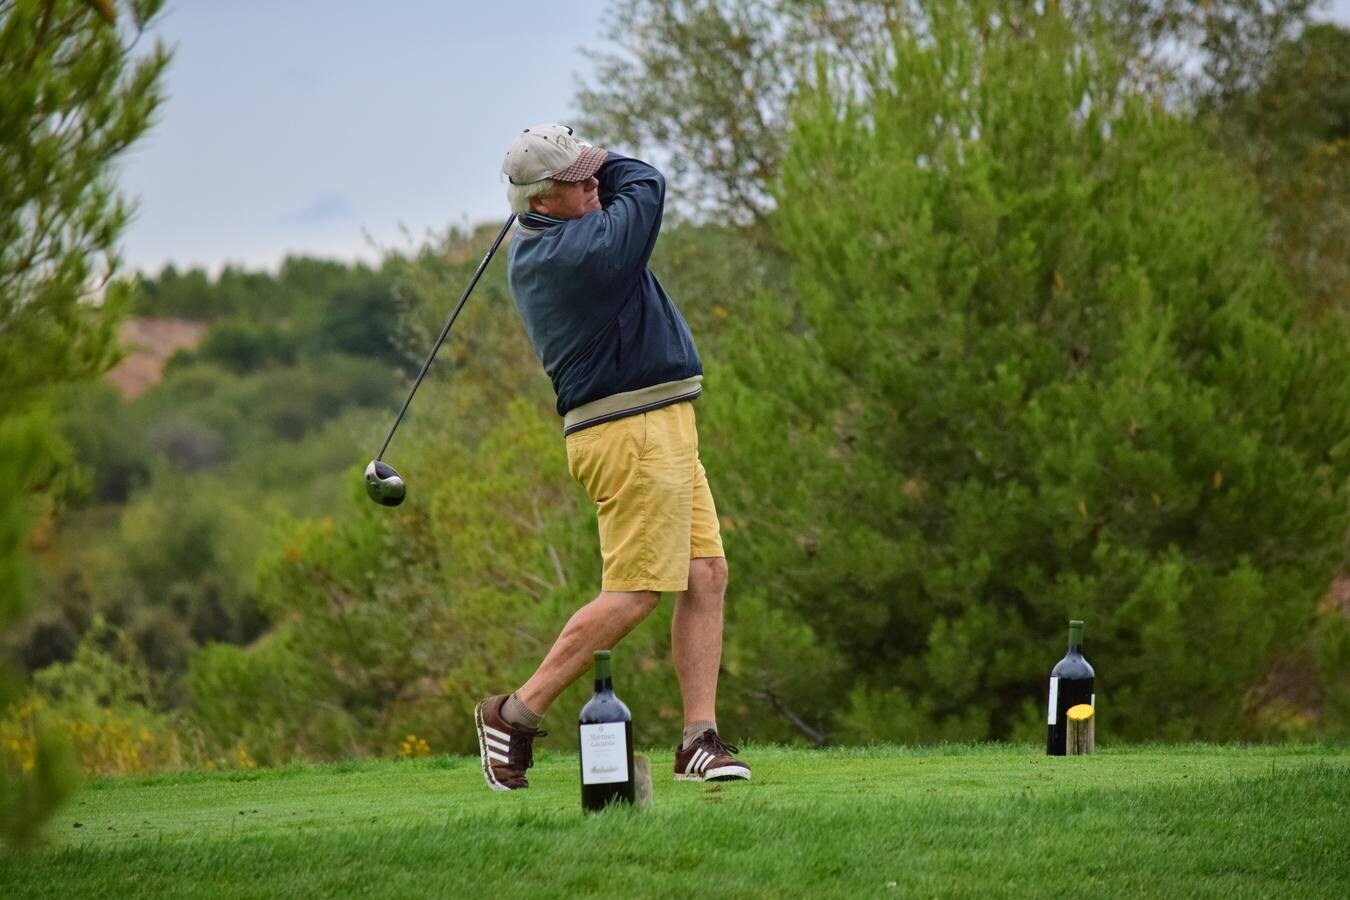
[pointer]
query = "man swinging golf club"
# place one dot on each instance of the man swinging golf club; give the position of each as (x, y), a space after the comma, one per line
(625, 370)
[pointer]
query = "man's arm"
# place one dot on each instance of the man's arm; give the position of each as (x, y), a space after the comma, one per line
(633, 196)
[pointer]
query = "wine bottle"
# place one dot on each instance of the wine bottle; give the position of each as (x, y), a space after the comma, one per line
(1071, 683)
(606, 728)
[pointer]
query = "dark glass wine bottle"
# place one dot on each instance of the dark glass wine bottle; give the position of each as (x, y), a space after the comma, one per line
(606, 729)
(1071, 683)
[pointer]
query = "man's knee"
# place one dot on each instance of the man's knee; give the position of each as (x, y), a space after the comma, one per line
(708, 574)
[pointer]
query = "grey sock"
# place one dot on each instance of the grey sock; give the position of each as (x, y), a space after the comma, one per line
(693, 730)
(516, 713)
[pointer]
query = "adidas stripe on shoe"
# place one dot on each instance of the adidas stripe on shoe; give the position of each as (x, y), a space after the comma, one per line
(506, 752)
(709, 758)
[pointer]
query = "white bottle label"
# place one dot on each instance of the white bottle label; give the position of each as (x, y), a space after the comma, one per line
(1054, 699)
(604, 753)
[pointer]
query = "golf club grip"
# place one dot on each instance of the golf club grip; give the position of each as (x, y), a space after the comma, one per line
(446, 330)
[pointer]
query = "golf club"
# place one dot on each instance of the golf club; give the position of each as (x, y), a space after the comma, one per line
(383, 483)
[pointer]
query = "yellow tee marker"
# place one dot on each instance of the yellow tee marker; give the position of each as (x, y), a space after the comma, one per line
(1080, 738)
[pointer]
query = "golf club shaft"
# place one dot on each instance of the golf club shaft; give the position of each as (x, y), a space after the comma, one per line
(446, 330)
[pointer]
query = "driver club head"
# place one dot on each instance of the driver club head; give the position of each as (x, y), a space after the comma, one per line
(384, 485)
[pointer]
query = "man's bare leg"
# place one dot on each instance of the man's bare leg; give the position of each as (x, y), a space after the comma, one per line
(598, 625)
(696, 637)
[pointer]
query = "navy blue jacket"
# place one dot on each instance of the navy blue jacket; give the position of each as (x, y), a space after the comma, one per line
(598, 319)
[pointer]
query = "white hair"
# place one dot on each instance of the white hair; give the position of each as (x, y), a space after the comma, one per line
(518, 195)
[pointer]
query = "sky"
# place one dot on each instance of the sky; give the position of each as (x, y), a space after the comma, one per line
(296, 126)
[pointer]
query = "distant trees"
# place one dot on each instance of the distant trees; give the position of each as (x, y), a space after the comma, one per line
(308, 308)
(173, 492)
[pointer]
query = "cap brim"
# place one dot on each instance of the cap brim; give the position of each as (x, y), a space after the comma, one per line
(584, 166)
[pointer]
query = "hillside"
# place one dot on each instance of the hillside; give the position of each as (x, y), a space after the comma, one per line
(149, 342)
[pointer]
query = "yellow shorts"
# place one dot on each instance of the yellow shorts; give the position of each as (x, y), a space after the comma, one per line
(651, 496)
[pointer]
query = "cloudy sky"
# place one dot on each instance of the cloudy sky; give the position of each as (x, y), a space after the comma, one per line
(296, 125)
(304, 126)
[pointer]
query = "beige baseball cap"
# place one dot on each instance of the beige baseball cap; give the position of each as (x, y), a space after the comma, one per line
(550, 151)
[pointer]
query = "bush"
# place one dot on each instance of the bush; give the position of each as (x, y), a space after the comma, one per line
(112, 450)
(99, 702)
(268, 699)
(242, 346)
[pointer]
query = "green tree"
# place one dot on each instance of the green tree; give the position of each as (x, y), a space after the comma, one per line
(359, 320)
(74, 93)
(1292, 129)
(243, 346)
(1044, 365)
(708, 83)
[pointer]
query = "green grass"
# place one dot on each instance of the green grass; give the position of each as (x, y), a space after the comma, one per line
(985, 821)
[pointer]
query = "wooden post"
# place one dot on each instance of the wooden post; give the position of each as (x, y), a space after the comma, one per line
(642, 780)
(1080, 740)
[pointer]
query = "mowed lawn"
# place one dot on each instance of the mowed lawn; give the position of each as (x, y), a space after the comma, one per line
(983, 821)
